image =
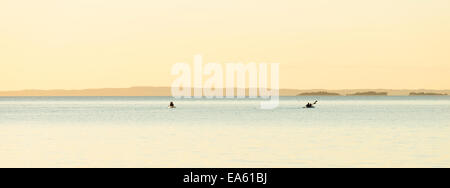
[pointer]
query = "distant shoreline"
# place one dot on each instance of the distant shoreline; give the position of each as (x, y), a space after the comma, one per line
(166, 91)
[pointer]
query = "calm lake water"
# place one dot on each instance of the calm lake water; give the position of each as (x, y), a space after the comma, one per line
(142, 132)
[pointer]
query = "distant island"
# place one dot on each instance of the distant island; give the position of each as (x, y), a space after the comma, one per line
(424, 93)
(369, 93)
(319, 93)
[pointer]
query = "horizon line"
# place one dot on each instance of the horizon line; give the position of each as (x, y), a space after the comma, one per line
(18, 90)
(166, 91)
(168, 87)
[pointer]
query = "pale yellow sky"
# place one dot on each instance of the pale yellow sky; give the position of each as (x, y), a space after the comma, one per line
(75, 44)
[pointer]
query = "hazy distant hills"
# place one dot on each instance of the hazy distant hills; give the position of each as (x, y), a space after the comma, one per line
(166, 91)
